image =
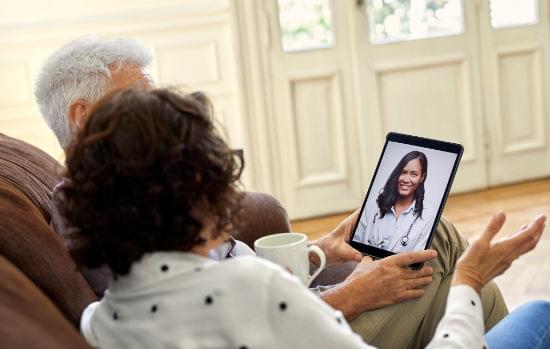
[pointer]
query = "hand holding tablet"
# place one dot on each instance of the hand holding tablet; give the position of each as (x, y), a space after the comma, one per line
(406, 196)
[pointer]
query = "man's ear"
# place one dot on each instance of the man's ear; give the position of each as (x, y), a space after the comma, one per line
(77, 113)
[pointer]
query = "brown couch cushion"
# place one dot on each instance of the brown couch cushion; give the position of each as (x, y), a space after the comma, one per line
(27, 178)
(30, 170)
(29, 319)
(262, 215)
(29, 243)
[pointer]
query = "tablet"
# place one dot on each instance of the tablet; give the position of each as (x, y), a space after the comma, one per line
(406, 195)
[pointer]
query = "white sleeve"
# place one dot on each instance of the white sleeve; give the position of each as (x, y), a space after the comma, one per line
(299, 319)
(86, 324)
(462, 326)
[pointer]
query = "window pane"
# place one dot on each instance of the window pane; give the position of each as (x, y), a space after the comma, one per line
(397, 20)
(509, 13)
(305, 24)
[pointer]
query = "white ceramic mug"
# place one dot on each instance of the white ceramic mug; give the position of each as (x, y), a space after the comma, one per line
(290, 250)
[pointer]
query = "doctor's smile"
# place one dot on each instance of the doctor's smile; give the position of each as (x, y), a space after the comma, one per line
(409, 178)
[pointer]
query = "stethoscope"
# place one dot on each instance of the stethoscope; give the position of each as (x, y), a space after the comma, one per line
(405, 238)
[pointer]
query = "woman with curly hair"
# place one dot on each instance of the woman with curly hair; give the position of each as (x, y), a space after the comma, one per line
(400, 221)
(150, 190)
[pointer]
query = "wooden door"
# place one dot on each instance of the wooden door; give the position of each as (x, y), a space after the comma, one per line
(515, 51)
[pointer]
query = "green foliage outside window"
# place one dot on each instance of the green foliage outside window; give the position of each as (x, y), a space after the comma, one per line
(305, 24)
(413, 19)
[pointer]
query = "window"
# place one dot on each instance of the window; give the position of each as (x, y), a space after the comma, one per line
(510, 13)
(305, 24)
(399, 20)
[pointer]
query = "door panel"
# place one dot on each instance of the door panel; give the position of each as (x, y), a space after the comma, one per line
(316, 116)
(515, 73)
(429, 87)
(441, 108)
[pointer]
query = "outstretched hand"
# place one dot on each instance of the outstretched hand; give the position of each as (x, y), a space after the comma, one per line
(484, 259)
(335, 245)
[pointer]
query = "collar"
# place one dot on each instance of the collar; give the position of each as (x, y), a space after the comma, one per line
(408, 210)
(225, 250)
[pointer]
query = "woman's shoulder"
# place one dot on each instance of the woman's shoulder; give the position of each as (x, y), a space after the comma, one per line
(249, 261)
(252, 269)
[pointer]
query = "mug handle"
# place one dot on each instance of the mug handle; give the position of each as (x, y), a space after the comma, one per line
(322, 259)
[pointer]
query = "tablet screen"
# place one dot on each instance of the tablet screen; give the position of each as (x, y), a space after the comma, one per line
(406, 197)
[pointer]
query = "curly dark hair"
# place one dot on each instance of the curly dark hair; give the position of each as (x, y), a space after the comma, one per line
(143, 174)
(388, 195)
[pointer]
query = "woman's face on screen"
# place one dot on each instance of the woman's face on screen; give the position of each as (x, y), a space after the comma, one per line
(411, 176)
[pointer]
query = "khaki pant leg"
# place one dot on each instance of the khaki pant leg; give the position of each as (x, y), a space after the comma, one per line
(411, 324)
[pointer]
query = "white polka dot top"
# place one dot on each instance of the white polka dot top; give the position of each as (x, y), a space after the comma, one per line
(182, 300)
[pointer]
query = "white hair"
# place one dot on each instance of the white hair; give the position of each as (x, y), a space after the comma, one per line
(82, 70)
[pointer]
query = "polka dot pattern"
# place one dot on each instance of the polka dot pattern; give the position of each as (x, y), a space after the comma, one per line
(282, 306)
(212, 299)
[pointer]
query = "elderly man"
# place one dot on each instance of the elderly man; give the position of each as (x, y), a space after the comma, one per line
(389, 304)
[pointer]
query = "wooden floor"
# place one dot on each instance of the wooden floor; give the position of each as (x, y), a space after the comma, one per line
(529, 277)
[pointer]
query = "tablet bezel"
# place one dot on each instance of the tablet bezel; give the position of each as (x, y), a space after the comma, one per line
(434, 144)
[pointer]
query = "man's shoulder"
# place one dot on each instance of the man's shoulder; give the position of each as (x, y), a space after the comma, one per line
(241, 249)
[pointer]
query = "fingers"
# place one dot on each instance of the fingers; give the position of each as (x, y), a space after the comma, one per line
(408, 258)
(355, 215)
(365, 260)
(419, 283)
(535, 224)
(350, 222)
(413, 294)
(348, 253)
(529, 244)
(352, 218)
(526, 239)
(494, 226)
(416, 274)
